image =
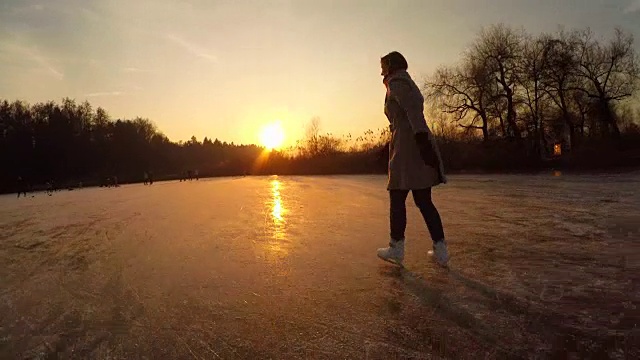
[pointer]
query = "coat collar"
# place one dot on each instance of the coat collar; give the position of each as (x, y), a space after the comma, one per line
(400, 74)
(395, 75)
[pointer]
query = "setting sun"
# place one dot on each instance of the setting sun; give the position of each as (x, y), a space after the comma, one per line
(272, 136)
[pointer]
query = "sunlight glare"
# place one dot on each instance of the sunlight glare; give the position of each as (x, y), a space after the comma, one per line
(272, 136)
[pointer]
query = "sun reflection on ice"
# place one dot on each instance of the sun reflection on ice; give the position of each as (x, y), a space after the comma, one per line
(277, 245)
(278, 210)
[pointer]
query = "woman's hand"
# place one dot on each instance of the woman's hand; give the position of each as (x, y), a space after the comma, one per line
(383, 152)
(429, 156)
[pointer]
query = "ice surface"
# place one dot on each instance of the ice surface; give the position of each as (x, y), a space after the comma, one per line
(285, 267)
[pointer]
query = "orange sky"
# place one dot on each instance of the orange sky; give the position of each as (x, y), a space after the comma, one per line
(223, 69)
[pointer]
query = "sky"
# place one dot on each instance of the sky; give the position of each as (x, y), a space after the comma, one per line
(223, 69)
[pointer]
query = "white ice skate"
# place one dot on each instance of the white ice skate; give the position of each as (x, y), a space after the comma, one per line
(394, 253)
(440, 253)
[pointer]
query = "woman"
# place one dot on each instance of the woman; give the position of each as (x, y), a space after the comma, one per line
(414, 160)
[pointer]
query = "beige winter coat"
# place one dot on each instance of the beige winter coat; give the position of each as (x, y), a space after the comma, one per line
(404, 107)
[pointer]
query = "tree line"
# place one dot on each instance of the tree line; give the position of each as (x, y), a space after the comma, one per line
(513, 101)
(67, 143)
(564, 88)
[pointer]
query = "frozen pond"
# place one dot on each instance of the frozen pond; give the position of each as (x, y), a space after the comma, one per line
(285, 267)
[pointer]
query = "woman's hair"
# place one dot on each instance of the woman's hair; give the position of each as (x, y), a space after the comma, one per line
(395, 61)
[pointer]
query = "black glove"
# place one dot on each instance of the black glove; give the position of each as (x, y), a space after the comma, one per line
(383, 154)
(429, 156)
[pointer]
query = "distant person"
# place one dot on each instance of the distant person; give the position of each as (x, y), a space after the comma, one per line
(22, 187)
(146, 178)
(414, 160)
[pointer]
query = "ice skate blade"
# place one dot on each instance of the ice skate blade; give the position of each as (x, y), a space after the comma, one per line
(394, 262)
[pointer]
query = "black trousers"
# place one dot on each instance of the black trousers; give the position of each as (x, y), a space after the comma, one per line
(398, 213)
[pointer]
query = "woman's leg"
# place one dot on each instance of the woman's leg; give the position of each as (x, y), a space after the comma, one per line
(430, 214)
(398, 214)
(397, 223)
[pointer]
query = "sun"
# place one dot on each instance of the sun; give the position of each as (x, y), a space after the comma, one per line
(272, 136)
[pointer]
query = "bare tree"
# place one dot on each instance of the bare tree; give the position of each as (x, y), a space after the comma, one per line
(499, 49)
(531, 67)
(582, 107)
(560, 75)
(463, 91)
(313, 136)
(442, 124)
(496, 110)
(610, 71)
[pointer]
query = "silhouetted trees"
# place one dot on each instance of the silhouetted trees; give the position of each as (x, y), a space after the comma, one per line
(68, 143)
(543, 90)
